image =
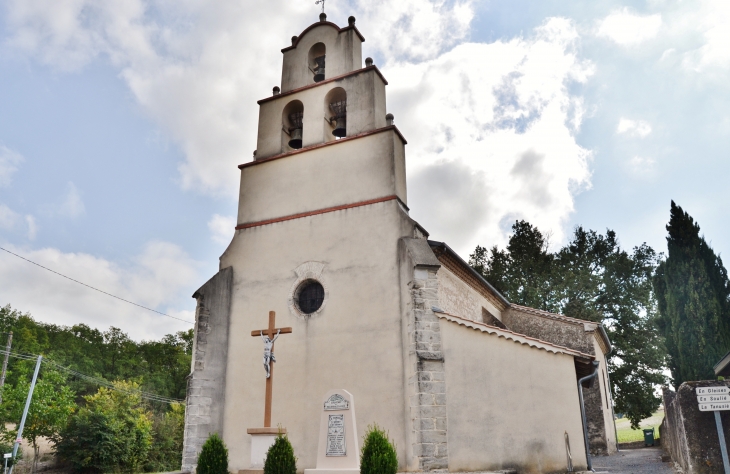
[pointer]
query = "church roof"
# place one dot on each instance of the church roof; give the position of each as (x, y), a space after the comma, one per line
(456, 264)
(513, 336)
(589, 326)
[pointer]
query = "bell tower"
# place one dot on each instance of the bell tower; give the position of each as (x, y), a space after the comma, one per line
(326, 99)
(322, 209)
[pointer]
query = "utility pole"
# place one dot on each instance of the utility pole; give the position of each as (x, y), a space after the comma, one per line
(19, 438)
(5, 363)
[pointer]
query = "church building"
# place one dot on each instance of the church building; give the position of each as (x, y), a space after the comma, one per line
(459, 377)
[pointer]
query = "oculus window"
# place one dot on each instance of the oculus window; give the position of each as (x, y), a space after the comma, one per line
(310, 296)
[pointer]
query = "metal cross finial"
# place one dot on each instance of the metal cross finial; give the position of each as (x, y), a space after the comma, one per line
(322, 2)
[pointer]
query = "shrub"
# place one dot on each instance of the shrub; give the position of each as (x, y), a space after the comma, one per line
(378, 454)
(167, 439)
(213, 457)
(280, 458)
(112, 433)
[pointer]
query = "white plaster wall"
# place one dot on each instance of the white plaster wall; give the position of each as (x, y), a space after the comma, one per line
(343, 50)
(458, 298)
(508, 404)
(355, 343)
(353, 171)
(365, 111)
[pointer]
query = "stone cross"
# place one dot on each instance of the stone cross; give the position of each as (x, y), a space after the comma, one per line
(271, 333)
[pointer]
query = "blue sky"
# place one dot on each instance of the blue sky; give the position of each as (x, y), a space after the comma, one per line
(121, 126)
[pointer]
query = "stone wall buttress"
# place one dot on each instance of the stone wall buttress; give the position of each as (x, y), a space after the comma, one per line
(426, 381)
(206, 382)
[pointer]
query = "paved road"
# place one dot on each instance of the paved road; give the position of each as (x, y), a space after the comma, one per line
(633, 461)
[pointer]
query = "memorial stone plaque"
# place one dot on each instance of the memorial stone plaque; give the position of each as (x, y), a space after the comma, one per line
(338, 451)
(336, 402)
(336, 445)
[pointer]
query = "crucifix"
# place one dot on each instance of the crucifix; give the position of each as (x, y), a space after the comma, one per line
(269, 335)
(322, 2)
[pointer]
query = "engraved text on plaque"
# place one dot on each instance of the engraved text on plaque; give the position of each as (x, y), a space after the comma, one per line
(336, 436)
(336, 402)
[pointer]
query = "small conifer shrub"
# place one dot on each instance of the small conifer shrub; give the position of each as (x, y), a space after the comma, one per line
(378, 454)
(280, 458)
(213, 457)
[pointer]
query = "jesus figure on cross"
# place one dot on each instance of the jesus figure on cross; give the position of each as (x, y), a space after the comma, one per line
(268, 355)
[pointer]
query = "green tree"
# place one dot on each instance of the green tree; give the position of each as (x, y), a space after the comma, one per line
(51, 405)
(167, 439)
(590, 278)
(280, 457)
(112, 433)
(213, 458)
(378, 455)
(693, 295)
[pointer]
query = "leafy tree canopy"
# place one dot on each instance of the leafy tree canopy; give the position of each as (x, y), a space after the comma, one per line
(161, 366)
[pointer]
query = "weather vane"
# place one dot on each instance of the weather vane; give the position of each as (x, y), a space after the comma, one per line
(322, 2)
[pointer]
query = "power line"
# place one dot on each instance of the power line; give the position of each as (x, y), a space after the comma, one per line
(97, 289)
(96, 380)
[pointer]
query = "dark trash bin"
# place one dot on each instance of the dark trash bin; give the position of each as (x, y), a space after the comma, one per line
(649, 437)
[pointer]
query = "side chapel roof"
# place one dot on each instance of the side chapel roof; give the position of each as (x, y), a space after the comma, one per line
(456, 264)
(513, 336)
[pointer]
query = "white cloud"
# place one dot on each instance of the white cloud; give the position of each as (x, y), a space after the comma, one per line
(636, 128)
(493, 140)
(157, 278)
(72, 205)
(32, 227)
(628, 29)
(9, 161)
(415, 30)
(222, 228)
(710, 18)
(8, 217)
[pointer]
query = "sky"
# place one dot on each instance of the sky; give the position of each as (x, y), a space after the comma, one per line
(122, 123)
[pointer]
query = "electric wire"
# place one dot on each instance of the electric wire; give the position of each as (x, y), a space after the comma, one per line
(93, 288)
(96, 380)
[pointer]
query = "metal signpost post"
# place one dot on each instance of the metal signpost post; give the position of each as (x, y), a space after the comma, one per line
(19, 437)
(716, 399)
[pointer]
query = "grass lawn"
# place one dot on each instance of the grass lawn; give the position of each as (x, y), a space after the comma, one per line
(627, 435)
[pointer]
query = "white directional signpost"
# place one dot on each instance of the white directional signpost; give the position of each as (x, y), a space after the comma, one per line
(716, 399)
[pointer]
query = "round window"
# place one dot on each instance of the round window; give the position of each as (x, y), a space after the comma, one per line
(310, 296)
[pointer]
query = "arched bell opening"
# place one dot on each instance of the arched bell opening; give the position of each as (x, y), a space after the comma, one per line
(315, 60)
(292, 124)
(335, 104)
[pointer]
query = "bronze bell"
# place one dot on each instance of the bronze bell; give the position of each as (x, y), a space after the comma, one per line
(295, 138)
(340, 127)
(319, 70)
(295, 131)
(339, 110)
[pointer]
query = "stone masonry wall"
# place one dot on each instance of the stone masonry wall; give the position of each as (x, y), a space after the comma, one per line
(690, 435)
(206, 382)
(594, 416)
(427, 386)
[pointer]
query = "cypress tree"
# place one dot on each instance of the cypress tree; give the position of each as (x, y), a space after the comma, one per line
(692, 292)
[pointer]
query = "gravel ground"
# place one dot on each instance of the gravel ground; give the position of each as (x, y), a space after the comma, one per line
(633, 461)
